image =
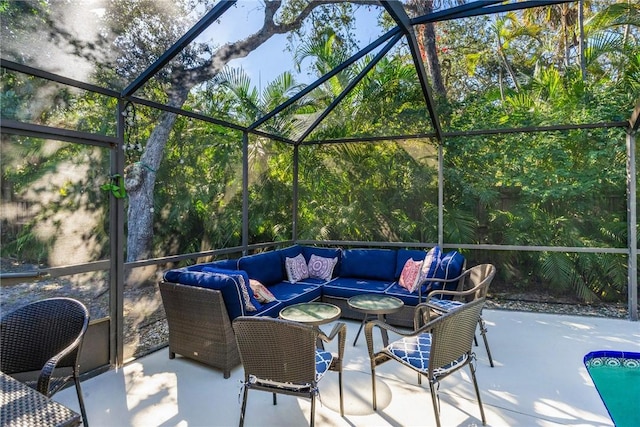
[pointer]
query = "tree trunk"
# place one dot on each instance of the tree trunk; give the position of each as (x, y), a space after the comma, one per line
(140, 180)
(581, 45)
(565, 35)
(428, 38)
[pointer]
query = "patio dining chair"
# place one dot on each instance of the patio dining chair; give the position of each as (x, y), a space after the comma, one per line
(435, 350)
(281, 356)
(474, 284)
(45, 337)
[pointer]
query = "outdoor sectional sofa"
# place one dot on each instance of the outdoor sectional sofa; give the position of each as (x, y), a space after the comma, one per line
(202, 300)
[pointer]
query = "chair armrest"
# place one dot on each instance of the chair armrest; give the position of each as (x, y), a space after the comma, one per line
(442, 292)
(46, 372)
(438, 280)
(421, 315)
(339, 329)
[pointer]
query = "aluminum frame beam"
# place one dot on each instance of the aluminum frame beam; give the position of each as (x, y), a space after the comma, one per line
(177, 47)
(634, 121)
(451, 13)
(397, 12)
(482, 8)
(15, 127)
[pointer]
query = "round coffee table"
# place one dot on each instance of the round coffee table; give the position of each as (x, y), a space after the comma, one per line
(313, 313)
(377, 304)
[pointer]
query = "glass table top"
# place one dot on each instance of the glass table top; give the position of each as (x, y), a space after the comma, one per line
(375, 303)
(315, 313)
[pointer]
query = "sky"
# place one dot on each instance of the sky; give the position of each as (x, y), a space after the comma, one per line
(272, 59)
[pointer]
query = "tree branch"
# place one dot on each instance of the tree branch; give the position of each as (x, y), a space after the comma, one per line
(242, 48)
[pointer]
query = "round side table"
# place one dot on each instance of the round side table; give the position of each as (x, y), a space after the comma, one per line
(375, 304)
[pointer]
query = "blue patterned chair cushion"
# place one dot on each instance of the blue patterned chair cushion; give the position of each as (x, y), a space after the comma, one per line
(323, 361)
(444, 304)
(415, 351)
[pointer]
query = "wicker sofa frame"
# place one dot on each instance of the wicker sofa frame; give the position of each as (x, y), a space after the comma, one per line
(199, 326)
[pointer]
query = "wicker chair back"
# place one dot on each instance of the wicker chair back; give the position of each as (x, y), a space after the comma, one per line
(45, 336)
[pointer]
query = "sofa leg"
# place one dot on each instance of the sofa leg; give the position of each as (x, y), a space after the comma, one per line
(227, 373)
(172, 355)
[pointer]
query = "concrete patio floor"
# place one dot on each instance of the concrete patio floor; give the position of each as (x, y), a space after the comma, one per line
(539, 379)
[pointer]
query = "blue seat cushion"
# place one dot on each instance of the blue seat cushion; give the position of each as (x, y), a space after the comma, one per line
(375, 264)
(271, 309)
(312, 281)
(415, 352)
(444, 304)
(345, 287)
(292, 293)
(409, 298)
(323, 361)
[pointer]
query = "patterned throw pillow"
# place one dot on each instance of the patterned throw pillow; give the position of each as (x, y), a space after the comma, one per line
(430, 265)
(296, 268)
(245, 294)
(320, 267)
(261, 292)
(411, 275)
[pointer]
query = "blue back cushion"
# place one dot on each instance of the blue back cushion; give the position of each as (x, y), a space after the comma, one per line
(266, 267)
(405, 255)
(173, 275)
(289, 252)
(225, 284)
(376, 264)
(224, 264)
(237, 274)
(451, 266)
(307, 251)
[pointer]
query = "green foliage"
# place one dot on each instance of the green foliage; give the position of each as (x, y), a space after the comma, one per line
(562, 188)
